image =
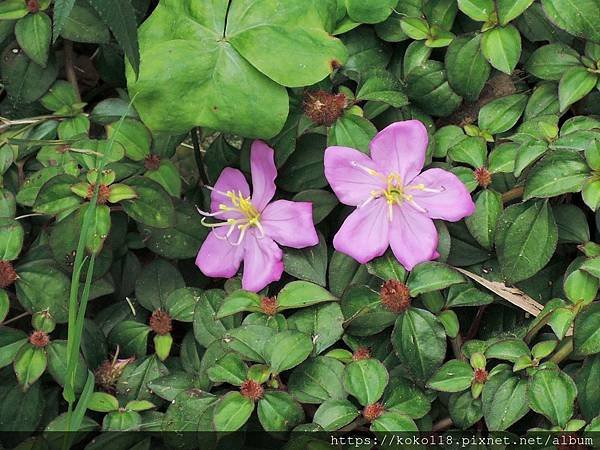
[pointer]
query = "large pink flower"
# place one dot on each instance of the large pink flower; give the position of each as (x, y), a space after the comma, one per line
(252, 227)
(395, 204)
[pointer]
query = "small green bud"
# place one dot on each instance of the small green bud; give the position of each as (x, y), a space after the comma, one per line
(43, 321)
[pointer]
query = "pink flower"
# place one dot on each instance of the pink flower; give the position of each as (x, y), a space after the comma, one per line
(394, 203)
(252, 227)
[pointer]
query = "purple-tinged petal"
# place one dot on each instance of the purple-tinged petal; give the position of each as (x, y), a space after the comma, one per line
(263, 262)
(290, 223)
(413, 237)
(347, 171)
(264, 172)
(401, 148)
(230, 180)
(444, 197)
(364, 233)
(218, 258)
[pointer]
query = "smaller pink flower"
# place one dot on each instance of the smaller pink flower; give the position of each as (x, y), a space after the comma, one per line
(395, 202)
(251, 226)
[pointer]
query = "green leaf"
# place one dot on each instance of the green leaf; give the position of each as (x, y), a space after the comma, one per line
(308, 264)
(454, 376)
(465, 411)
(11, 239)
(56, 197)
(278, 411)
(501, 46)
(103, 402)
(420, 342)
(317, 380)
(30, 363)
(131, 337)
(33, 33)
(299, 294)
(511, 9)
(133, 136)
(238, 71)
(229, 369)
(587, 330)
(232, 411)
(287, 349)
(334, 414)
(427, 87)
(507, 349)
(502, 114)
(365, 380)
(364, 313)
(552, 394)
(392, 421)
(322, 322)
(181, 421)
(153, 205)
(351, 131)
(13, 9)
(133, 382)
(560, 172)
(551, 61)
(480, 10)
(525, 240)
(238, 301)
(119, 16)
(206, 328)
(180, 303)
(382, 86)
(467, 295)
(304, 168)
(504, 400)
(404, 397)
(84, 25)
(57, 365)
(158, 280)
(432, 276)
(575, 84)
(578, 18)
(415, 28)
(466, 67)
(369, 11)
(62, 10)
(588, 394)
(580, 286)
(572, 224)
(471, 151)
(482, 223)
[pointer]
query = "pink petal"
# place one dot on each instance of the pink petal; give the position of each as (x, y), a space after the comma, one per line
(230, 180)
(401, 148)
(364, 233)
(218, 258)
(263, 262)
(264, 172)
(351, 183)
(452, 204)
(413, 237)
(290, 223)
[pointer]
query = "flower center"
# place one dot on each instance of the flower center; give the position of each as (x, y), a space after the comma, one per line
(241, 205)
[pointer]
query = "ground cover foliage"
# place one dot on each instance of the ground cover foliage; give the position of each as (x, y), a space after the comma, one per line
(118, 118)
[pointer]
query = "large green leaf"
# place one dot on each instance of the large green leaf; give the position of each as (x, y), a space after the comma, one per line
(504, 399)
(552, 393)
(243, 52)
(466, 67)
(580, 18)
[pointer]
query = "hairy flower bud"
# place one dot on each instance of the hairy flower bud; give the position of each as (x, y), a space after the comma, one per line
(361, 353)
(39, 339)
(323, 107)
(160, 322)
(103, 193)
(483, 177)
(7, 274)
(269, 305)
(252, 390)
(480, 376)
(33, 6)
(395, 296)
(152, 162)
(373, 411)
(107, 374)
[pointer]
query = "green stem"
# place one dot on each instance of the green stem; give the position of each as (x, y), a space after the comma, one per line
(198, 156)
(565, 349)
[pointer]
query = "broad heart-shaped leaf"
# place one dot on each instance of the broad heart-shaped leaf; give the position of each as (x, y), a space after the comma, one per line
(454, 376)
(366, 380)
(502, 47)
(244, 51)
(552, 393)
(580, 18)
(287, 349)
(334, 414)
(526, 237)
(504, 399)
(232, 412)
(587, 330)
(420, 342)
(317, 379)
(560, 172)
(278, 411)
(466, 68)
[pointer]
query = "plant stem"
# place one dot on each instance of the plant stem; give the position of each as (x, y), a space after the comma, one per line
(442, 425)
(14, 319)
(457, 343)
(198, 156)
(70, 68)
(474, 328)
(563, 351)
(513, 194)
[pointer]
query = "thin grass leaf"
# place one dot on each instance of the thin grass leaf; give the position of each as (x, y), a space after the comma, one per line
(75, 417)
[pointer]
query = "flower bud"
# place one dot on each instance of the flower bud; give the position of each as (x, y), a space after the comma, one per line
(395, 296)
(43, 321)
(323, 107)
(7, 274)
(252, 390)
(373, 411)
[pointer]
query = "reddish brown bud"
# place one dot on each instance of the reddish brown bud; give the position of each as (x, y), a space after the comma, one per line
(160, 322)
(152, 162)
(103, 193)
(7, 274)
(39, 339)
(483, 177)
(361, 353)
(373, 411)
(269, 305)
(480, 376)
(323, 107)
(252, 390)
(108, 373)
(395, 296)
(33, 6)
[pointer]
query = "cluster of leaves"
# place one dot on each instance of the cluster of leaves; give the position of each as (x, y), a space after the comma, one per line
(100, 178)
